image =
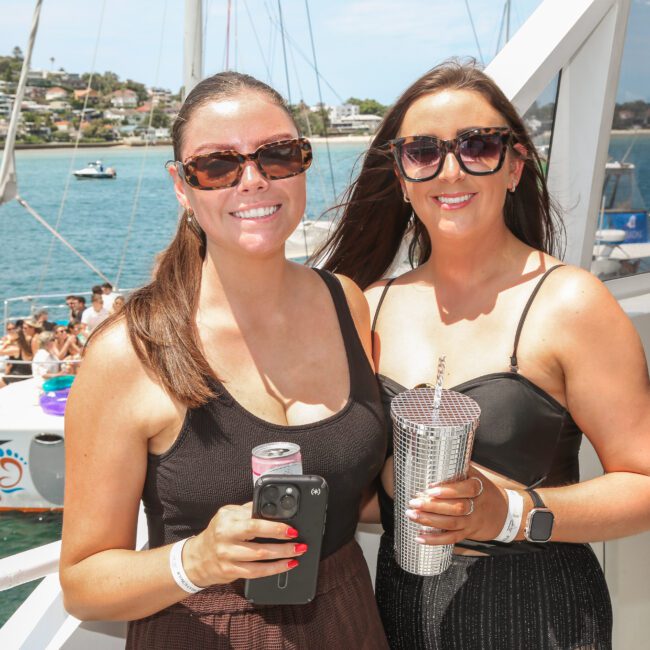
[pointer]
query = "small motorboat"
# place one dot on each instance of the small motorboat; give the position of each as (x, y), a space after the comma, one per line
(95, 169)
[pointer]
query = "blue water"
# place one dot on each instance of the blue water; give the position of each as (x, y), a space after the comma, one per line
(95, 220)
(96, 214)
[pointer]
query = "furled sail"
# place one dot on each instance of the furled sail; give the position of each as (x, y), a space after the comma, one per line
(8, 181)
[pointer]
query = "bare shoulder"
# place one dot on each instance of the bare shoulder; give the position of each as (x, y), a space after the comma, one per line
(113, 383)
(356, 299)
(577, 293)
(587, 315)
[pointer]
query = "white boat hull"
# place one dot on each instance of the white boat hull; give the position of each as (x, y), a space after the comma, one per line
(32, 463)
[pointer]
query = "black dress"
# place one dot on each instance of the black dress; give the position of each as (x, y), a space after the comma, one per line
(520, 595)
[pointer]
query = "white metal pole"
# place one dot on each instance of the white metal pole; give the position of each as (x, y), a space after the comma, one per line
(192, 45)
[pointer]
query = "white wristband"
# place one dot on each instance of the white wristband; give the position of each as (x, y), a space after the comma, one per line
(178, 572)
(513, 518)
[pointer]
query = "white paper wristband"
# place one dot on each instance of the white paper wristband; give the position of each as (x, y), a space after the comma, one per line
(178, 572)
(513, 518)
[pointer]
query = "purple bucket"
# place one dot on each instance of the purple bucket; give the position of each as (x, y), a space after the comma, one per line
(53, 402)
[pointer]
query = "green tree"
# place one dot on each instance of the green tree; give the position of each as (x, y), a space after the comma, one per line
(17, 53)
(314, 122)
(368, 106)
(159, 119)
(139, 88)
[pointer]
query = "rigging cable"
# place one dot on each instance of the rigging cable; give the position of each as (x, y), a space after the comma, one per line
(503, 21)
(136, 195)
(305, 58)
(305, 114)
(284, 54)
(227, 67)
(57, 235)
(320, 99)
(257, 39)
(471, 22)
(48, 259)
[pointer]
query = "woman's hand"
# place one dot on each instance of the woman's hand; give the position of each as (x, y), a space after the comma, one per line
(471, 509)
(223, 552)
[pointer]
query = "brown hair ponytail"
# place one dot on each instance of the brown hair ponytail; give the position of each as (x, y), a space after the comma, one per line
(160, 316)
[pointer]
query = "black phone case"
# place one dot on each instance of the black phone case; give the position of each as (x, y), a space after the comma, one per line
(296, 586)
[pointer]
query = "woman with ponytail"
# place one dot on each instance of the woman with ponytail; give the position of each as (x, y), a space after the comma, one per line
(228, 347)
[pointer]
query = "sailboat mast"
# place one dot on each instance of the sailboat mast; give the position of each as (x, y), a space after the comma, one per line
(508, 2)
(192, 45)
(8, 184)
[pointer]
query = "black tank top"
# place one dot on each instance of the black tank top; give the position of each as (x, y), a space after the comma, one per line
(209, 464)
(524, 433)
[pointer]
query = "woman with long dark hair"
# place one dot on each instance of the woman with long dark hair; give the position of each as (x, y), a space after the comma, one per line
(229, 347)
(542, 347)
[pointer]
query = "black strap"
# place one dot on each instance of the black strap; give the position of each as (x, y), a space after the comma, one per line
(376, 316)
(537, 500)
(513, 358)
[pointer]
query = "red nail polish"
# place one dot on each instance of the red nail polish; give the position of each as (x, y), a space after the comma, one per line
(292, 563)
(299, 548)
(292, 532)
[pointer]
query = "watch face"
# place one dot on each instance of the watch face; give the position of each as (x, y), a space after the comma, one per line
(541, 526)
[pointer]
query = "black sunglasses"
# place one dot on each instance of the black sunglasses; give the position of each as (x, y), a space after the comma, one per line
(218, 170)
(479, 152)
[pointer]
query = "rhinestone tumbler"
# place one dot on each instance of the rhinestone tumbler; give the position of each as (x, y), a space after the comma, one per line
(432, 445)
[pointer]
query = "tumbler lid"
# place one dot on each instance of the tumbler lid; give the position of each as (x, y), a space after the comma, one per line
(416, 406)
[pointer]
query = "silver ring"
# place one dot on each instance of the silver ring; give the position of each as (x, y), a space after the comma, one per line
(476, 478)
(471, 508)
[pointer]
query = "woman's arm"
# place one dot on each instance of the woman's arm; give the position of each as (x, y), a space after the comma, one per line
(607, 392)
(114, 408)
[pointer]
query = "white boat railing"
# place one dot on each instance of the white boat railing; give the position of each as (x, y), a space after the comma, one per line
(29, 565)
(41, 621)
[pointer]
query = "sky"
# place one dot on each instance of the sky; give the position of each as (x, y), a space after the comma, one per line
(364, 48)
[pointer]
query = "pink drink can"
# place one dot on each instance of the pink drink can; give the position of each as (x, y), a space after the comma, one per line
(276, 458)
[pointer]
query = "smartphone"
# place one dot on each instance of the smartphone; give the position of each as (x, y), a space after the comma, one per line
(299, 501)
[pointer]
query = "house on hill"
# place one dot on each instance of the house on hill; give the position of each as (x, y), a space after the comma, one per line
(55, 93)
(124, 98)
(93, 95)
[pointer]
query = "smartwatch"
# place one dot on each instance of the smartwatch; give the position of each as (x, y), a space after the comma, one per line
(539, 523)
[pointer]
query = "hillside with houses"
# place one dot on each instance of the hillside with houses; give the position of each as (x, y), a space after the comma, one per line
(60, 107)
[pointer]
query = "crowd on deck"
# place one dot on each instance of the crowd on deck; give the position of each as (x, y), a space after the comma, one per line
(41, 348)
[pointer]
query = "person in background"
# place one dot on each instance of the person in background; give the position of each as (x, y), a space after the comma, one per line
(453, 165)
(9, 335)
(230, 346)
(108, 295)
(9, 350)
(45, 364)
(77, 306)
(71, 302)
(41, 318)
(95, 314)
(65, 343)
(118, 304)
(31, 327)
(79, 332)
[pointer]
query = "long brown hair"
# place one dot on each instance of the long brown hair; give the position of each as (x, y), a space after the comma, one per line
(160, 316)
(375, 217)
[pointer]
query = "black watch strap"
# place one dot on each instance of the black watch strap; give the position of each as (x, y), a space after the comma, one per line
(537, 500)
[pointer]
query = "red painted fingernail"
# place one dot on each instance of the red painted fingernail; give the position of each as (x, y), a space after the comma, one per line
(299, 548)
(292, 563)
(292, 532)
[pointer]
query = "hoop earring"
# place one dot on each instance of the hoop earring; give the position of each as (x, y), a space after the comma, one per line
(406, 198)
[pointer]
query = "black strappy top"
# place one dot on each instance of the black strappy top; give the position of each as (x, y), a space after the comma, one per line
(524, 433)
(209, 464)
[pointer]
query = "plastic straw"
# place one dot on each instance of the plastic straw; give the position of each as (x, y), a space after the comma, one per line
(439, 381)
